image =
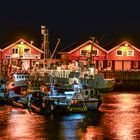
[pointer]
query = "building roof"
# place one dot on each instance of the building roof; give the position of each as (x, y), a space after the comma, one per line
(122, 43)
(78, 44)
(19, 41)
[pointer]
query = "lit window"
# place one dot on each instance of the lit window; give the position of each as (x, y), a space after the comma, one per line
(135, 64)
(27, 51)
(34, 62)
(15, 51)
(94, 52)
(14, 62)
(109, 64)
(100, 63)
(7, 56)
(119, 53)
(130, 53)
(83, 52)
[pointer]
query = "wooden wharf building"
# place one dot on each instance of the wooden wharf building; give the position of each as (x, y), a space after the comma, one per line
(122, 61)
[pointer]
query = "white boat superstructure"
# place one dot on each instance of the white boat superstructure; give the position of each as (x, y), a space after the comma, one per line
(20, 77)
(18, 81)
(89, 76)
(95, 80)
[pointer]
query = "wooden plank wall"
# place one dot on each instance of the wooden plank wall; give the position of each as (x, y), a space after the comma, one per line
(125, 80)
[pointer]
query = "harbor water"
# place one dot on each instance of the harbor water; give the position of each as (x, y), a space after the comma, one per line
(118, 118)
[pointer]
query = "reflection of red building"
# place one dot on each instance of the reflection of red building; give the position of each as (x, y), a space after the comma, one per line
(20, 53)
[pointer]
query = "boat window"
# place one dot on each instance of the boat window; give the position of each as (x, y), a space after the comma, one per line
(13, 84)
(86, 92)
(91, 93)
(63, 73)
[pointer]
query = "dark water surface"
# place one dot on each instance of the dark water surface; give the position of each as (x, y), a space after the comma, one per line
(118, 119)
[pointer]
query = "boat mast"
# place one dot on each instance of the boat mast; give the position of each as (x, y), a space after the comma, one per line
(91, 52)
(51, 76)
(44, 32)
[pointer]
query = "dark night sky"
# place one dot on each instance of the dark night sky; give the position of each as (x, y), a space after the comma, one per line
(70, 20)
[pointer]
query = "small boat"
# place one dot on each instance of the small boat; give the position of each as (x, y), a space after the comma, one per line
(59, 100)
(87, 99)
(82, 100)
(20, 101)
(44, 104)
(19, 81)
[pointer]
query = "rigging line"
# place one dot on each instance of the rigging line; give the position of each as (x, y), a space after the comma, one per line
(69, 45)
(102, 37)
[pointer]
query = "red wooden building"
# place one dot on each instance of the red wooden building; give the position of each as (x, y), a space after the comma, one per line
(124, 56)
(82, 54)
(20, 50)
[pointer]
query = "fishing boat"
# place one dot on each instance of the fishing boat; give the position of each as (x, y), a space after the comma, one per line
(86, 100)
(73, 99)
(67, 98)
(44, 104)
(90, 77)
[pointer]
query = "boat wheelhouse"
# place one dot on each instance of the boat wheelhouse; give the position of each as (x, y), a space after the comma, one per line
(20, 76)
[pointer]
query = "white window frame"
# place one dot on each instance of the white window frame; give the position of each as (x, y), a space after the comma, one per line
(88, 52)
(109, 63)
(28, 52)
(33, 62)
(14, 51)
(101, 64)
(129, 51)
(7, 57)
(14, 62)
(136, 64)
(117, 51)
(97, 52)
(83, 50)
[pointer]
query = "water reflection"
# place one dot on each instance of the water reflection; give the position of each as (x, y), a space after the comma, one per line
(70, 125)
(87, 128)
(121, 120)
(20, 124)
(126, 117)
(118, 118)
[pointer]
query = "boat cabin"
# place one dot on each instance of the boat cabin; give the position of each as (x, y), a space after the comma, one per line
(21, 76)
